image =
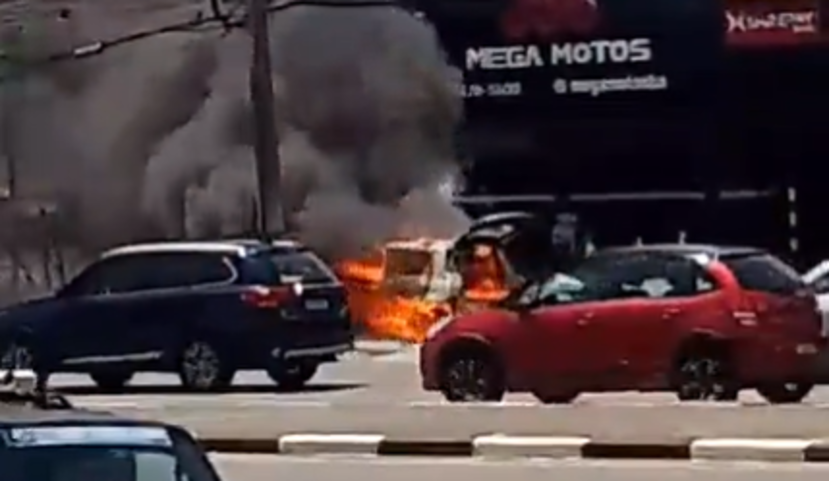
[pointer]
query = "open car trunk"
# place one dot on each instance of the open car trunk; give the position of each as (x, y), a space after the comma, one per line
(523, 240)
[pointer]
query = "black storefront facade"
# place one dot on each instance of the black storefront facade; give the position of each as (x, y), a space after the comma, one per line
(650, 120)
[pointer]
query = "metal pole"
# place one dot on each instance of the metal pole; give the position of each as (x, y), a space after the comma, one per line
(7, 128)
(8, 138)
(264, 124)
(10, 72)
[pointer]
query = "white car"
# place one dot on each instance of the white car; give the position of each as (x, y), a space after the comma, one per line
(818, 279)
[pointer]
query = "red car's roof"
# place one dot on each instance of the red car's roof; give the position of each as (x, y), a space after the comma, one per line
(685, 249)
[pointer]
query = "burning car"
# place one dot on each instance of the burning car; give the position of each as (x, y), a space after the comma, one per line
(406, 285)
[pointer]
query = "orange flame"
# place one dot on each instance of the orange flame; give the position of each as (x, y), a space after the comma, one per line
(390, 316)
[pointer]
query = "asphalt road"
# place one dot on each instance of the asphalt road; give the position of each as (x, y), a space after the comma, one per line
(268, 468)
(382, 396)
(389, 380)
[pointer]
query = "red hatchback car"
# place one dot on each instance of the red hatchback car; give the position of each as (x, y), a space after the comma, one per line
(703, 321)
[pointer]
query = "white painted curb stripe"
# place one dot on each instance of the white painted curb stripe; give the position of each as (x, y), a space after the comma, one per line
(330, 443)
(378, 347)
(750, 449)
(554, 447)
(502, 446)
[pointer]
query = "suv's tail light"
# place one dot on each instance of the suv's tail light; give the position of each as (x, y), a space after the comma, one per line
(268, 297)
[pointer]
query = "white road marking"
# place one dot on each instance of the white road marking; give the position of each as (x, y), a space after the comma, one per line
(750, 449)
(303, 444)
(502, 446)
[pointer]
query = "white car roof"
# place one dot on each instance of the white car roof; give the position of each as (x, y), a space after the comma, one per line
(421, 245)
(162, 247)
(816, 272)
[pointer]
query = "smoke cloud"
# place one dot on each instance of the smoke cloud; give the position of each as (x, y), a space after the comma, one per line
(367, 114)
(153, 139)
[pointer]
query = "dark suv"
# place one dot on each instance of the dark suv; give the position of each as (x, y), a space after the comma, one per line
(203, 310)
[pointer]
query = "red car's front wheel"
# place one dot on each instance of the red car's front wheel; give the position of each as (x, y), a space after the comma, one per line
(472, 375)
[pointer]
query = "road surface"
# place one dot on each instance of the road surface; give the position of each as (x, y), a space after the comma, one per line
(382, 396)
(269, 468)
(378, 381)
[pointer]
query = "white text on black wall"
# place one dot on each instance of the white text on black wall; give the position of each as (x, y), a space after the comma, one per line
(595, 52)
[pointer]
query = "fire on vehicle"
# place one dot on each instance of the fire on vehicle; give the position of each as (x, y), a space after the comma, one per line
(403, 287)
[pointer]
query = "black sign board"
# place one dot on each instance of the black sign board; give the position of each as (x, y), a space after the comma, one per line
(581, 51)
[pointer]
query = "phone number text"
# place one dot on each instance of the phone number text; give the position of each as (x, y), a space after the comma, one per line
(504, 89)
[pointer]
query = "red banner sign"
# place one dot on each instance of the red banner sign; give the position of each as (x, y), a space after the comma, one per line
(767, 24)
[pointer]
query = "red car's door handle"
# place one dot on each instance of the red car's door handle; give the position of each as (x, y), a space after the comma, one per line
(584, 319)
(671, 312)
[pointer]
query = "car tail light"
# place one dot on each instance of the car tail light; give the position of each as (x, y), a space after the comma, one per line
(268, 297)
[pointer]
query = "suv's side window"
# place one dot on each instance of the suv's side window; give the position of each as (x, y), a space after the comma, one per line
(173, 270)
(109, 276)
(141, 272)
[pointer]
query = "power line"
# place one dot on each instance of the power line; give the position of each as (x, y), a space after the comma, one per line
(218, 19)
(266, 143)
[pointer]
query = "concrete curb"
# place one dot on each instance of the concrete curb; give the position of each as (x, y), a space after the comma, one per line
(378, 347)
(553, 447)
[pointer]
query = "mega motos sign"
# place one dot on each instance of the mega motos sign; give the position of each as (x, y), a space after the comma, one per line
(551, 49)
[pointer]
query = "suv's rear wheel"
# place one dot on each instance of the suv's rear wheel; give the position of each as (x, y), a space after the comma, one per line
(785, 393)
(472, 373)
(17, 355)
(203, 368)
(292, 376)
(703, 373)
(111, 380)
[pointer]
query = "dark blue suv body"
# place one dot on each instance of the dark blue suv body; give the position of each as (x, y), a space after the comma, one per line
(203, 310)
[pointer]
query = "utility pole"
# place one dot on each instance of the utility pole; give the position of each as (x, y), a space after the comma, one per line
(268, 170)
(9, 72)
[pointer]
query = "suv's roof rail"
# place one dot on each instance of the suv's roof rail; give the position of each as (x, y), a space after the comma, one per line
(25, 387)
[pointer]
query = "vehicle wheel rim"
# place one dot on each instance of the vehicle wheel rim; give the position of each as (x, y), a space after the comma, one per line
(293, 369)
(701, 378)
(200, 365)
(17, 357)
(791, 387)
(468, 380)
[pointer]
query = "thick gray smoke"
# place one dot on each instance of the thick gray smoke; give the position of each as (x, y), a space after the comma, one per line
(367, 113)
(153, 139)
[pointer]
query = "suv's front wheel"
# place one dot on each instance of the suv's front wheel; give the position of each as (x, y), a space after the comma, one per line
(292, 375)
(203, 368)
(785, 393)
